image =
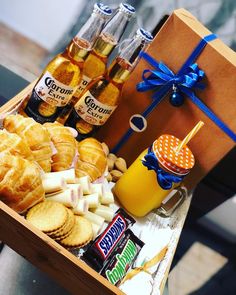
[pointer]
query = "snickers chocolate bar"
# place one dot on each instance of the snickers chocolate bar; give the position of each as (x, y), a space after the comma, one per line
(99, 250)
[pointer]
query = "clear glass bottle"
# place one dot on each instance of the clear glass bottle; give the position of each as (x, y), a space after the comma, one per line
(61, 76)
(95, 64)
(101, 99)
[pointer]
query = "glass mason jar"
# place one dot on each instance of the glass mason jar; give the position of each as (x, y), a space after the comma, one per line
(153, 175)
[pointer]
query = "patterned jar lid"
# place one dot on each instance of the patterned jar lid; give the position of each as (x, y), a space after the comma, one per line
(164, 149)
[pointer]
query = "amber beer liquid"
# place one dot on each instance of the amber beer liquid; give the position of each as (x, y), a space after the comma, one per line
(95, 64)
(101, 99)
(52, 91)
(60, 79)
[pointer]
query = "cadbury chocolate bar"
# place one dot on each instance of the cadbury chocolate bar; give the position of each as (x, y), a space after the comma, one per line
(99, 250)
(124, 255)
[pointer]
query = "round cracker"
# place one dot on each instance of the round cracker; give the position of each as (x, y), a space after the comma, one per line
(47, 216)
(81, 234)
(62, 228)
(62, 232)
(63, 237)
(55, 232)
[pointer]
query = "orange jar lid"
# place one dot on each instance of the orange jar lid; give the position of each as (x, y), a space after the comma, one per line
(164, 149)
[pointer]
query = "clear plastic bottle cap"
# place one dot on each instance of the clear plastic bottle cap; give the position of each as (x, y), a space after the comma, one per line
(145, 35)
(127, 8)
(103, 9)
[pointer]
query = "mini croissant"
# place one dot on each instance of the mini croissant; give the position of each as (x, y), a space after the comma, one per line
(20, 182)
(65, 145)
(36, 136)
(92, 160)
(15, 145)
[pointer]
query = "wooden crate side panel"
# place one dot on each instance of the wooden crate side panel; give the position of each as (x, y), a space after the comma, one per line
(72, 273)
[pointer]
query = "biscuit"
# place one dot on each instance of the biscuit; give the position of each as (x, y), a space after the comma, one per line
(66, 228)
(47, 216)
(59, 238)
(80, 235)
(60, 229)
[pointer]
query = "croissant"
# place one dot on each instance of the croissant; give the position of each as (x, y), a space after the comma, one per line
(65, 145)
(15, 145)
(92, 160)
(20, 182)
(36, 136)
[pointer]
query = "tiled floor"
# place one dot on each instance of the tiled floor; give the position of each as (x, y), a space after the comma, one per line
(205, 268)
(204, 264)
(196, 267)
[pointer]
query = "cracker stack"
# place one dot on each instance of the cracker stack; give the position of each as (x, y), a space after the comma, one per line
(61, 224)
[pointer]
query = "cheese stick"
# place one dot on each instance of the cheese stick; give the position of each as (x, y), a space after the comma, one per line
(97, 188)
(96, 229)
(104, 211)
(67, 198)
(85, 183)
(53, 185)
(81, 208)
(107, 198)
(94, 218)
(77, 189)
(93, 200)
(68, 175)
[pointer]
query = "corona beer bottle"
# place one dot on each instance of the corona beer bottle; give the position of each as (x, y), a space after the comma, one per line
(61, 76)
(95, 64)
(101, 99)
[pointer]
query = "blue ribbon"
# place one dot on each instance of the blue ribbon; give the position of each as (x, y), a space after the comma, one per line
(188, 78)
(164, 179)
(163, 76)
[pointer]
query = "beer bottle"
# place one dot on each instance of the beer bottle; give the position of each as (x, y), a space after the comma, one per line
(61, 76)
(95, 64)
(101, 99)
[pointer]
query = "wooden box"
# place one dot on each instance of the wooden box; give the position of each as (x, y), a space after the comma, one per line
(46, 254)
(49, 256)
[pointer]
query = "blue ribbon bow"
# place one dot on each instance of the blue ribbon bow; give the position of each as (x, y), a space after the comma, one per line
(164, 179)
(162, 80)
(163, 76)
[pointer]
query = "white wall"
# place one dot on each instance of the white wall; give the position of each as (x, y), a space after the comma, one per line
(44, 21)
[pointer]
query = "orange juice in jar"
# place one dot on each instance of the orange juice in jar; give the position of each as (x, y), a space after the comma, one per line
(153, 175)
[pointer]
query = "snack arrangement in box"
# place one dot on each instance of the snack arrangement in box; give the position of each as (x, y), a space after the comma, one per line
(71, 203)
(69, 199)
(82, 194)
(76, 207)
